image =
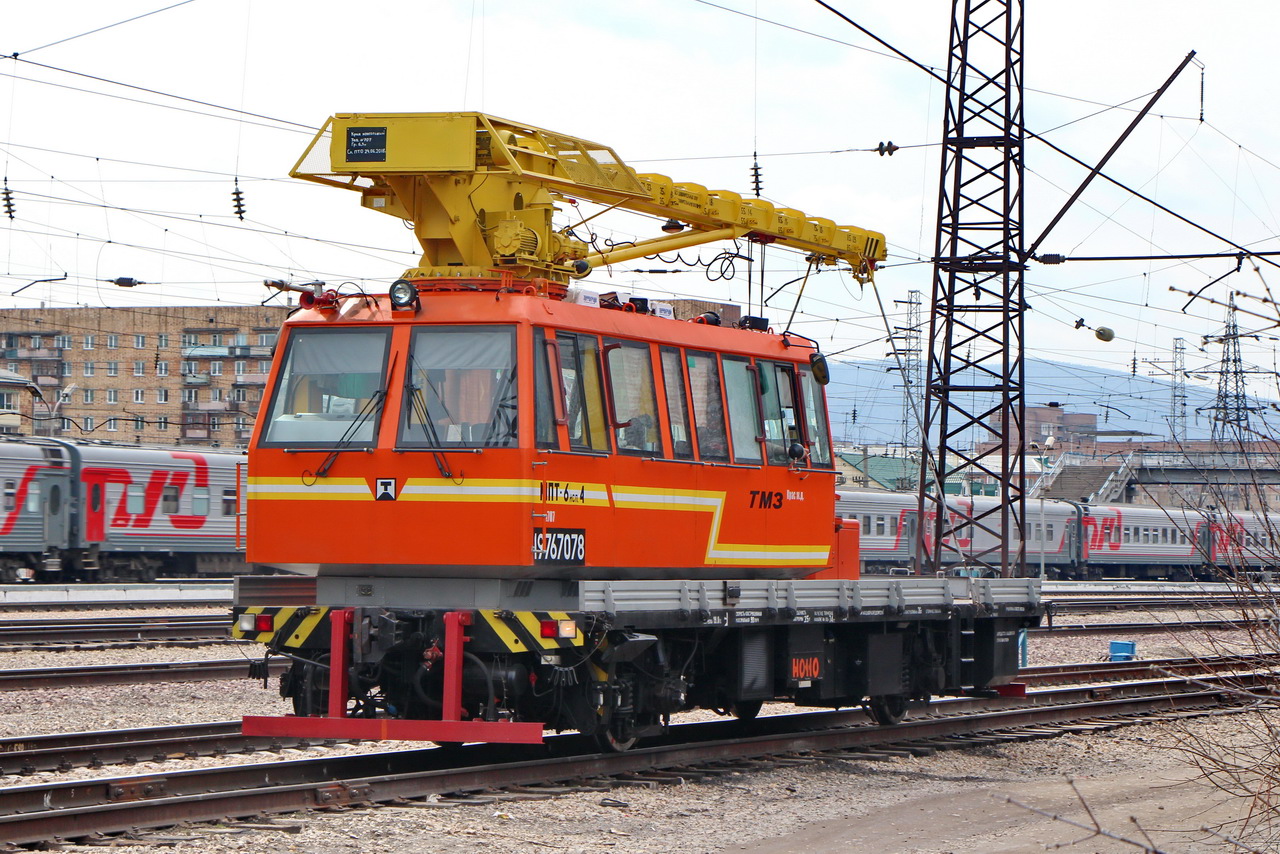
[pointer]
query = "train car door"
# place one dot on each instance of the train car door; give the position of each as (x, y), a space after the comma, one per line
(55, 491)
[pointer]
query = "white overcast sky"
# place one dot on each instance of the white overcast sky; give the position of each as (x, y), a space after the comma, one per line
(110, 181)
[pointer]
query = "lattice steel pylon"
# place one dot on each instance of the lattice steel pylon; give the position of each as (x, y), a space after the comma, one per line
(974, 388)
(906, 341)
(1178, 393)
(1231, 407)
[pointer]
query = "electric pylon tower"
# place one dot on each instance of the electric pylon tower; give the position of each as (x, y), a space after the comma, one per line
(906, 344)
(1231, 407)
(974, 406)
(1178, 393)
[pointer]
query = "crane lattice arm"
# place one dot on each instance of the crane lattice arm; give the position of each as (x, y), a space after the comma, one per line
(481, 191)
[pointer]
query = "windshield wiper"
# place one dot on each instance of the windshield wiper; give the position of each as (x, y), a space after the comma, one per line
(372, 406)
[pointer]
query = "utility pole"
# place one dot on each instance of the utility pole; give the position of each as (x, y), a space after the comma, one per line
(974, 390)
(1177, 389)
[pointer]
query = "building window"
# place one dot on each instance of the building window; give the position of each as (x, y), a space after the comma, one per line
(139, 395)
(89, 368)
(162, 423)
(162, 369)
(139, 342)
(162, 395)
(13, 367)
(189, 367)
(190, 395)
(238, 395)
(242, 423)
(241, 366)
(214, 422)
(88, 395)
(113, 342)
(215, 394)
(113, 369)
(139, 423)
(162, 342)
(190, 339)
(215, 369)
(88, 423)
(215, 338)
(139, 369)
(66, 369)
(88, 342)
(264, 366)
(36, 342)
(111, 424)
(266, 339)
(113, 395)
(66, 424)
(6, 401)
(62, 342)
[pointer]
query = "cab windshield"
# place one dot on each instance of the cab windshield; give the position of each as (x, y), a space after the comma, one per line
(460, 388)
(330, 389)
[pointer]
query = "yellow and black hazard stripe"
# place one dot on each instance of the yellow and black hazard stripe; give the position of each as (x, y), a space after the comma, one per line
(519, 631)
(306, 627)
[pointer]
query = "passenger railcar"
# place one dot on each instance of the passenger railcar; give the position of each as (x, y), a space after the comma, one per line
(87, 511)
(1079, 540)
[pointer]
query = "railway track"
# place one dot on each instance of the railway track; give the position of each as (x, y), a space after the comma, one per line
(62, 632)
(698, 751)
(62, 751)
(128, 674)
(1059, 628)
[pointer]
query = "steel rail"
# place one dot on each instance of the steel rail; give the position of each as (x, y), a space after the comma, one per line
(1060, 629)
(79, 808)
(64, 631)
(129, 674)
(62, 751)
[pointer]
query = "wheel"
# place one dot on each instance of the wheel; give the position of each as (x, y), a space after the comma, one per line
(610, 743)
(888, 709)
(746, 710)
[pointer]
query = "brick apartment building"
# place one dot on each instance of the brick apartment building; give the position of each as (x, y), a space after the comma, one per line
(158, 374)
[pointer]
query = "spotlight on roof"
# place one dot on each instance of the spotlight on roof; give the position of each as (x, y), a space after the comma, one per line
(673, 226)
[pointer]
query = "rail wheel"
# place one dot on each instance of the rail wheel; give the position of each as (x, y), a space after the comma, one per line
(308, 686)
(610, 742)
(746, 710)
(888, 709)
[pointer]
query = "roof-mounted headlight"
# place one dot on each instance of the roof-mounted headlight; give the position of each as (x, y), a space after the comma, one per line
(403, 294)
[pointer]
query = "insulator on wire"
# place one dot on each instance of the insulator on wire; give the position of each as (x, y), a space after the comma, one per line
(8, 199)
(756, 183)
(237, 200)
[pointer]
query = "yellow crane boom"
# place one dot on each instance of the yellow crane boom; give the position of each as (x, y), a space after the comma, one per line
(480, 193)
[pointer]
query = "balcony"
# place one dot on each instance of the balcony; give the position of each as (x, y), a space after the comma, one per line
(211, 406)
(250, 379)
(195, 432)
(48, 381)
(28, 353)
(195, 379)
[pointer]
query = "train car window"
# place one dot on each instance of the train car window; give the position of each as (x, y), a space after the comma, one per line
(228, 502)
(815, 420)
(169, 500)
(330, 388)
(708, 406)
(10, 495)
(677, 404)
(33, 497)
(893, 526)
(742, 392)
(1115, 534)
(134, 502)
(777, 401)
(1048, 529)
(95, 497)
(881, 526)
(630, 383)
(546, 412)
(200, 501)
(584, 400)
(460, 389)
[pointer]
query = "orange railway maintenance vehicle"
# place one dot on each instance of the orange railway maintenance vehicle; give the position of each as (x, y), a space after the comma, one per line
(528, 506)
